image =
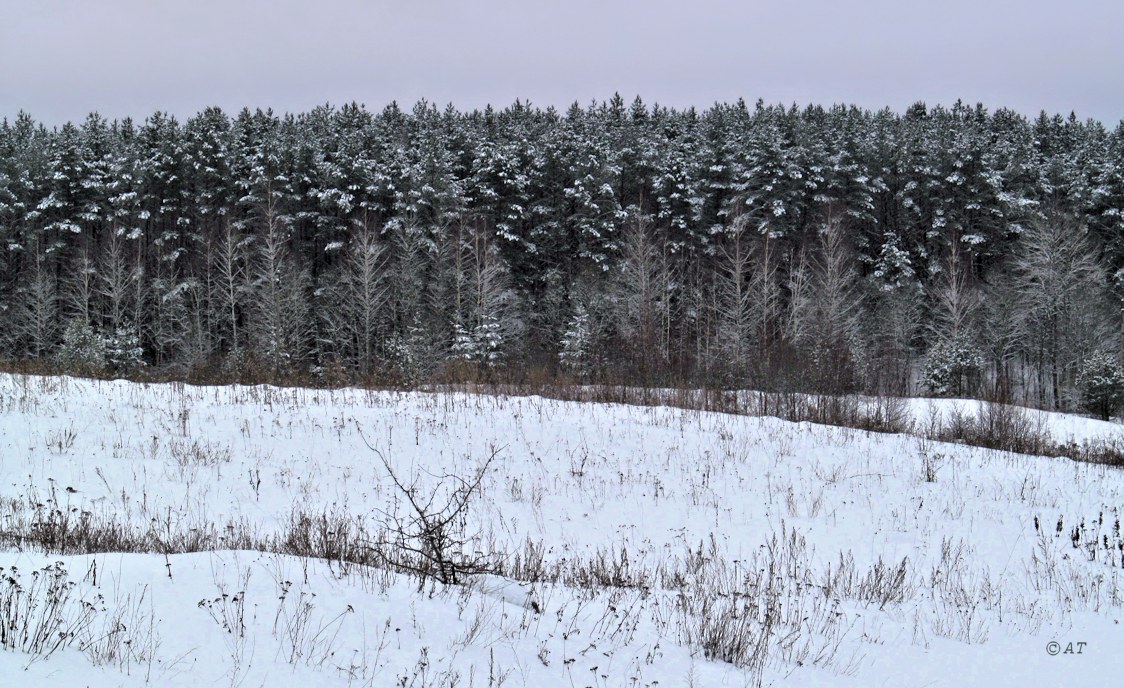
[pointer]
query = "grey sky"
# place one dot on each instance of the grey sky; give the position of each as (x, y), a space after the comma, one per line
(60, 59)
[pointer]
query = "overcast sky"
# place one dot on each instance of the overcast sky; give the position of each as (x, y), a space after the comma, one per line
(60, 59)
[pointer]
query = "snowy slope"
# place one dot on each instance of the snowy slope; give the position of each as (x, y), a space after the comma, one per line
(864, 572)
(1062, 427)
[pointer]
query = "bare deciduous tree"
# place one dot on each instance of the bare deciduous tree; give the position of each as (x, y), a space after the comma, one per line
(281, 289)
(360, 295)
(1003, 325)
(483, 317)
(828, 308)
(1065, 297)
(115, 280)
(642, 289)
(32, 324)
(228, 261)
(956, 301)
(81, 289)
(735, 307)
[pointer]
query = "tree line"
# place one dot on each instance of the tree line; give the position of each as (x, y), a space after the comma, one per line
(950, 250)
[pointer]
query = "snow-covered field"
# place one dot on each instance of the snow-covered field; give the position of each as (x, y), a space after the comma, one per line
(1064, 428)
(663, 543)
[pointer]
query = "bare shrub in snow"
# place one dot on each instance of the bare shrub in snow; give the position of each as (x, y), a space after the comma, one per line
(430, 538)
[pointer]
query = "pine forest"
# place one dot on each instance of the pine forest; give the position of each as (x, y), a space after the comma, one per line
(945, 250)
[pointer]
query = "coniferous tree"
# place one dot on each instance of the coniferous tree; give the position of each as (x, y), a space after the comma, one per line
(189, 237)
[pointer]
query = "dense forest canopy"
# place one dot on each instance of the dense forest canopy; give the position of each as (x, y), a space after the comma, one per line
(953, 250)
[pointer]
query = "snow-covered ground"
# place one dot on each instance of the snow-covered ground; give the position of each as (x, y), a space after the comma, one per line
(920, 414)
(1064, 428)
(810, 555)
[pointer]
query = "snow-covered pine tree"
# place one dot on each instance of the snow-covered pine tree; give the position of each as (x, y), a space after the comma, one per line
(83, 350)
(578, 346)
(1100, 382)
